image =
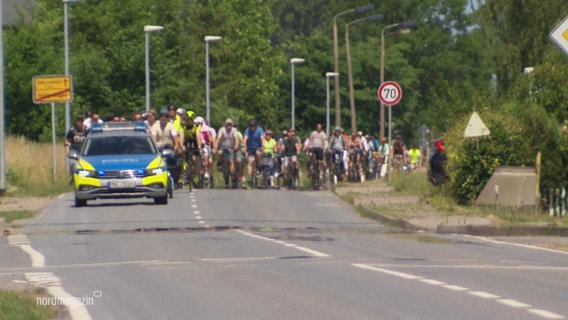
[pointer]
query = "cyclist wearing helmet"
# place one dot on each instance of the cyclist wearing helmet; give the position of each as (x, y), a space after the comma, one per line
(338, 145)
(226, 143)
(291, 147)
(316, 143)
(204, 141)
(254, 141)
(270, 147)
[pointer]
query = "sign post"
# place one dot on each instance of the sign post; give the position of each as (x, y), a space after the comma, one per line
(52, 89)
(390, 94)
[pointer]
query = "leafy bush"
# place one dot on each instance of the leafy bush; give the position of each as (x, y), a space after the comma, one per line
(518, 132)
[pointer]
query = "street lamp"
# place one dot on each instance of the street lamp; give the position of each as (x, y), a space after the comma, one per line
(357, 10)
(147, 30)
(406, 25)
(372, 18)
(327, 76)
(66, 40)
(293, 62)
(208, 39)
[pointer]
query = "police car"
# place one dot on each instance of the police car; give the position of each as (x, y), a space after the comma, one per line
(119, 160)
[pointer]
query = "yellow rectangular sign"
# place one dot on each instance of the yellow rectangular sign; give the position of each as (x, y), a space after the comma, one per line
(52, 89)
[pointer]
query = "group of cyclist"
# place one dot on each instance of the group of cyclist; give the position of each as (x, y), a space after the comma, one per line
(193, 140)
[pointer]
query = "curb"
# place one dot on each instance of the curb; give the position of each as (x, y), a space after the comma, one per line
(512, 231)
(473, 230)
(395, 222)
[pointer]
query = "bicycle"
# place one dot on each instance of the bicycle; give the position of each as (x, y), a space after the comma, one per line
(291, 177)
(192, 167)
(315, 172)
(225, 166)
(353, 172)
(336, 170)
(264, 169)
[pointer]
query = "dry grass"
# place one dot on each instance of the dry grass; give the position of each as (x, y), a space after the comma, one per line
(30, 168)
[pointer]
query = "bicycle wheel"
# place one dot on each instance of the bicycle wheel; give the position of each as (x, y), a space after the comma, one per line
(226, 173)
(199, 172)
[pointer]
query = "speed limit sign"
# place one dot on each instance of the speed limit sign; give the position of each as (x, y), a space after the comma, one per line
(389, 93)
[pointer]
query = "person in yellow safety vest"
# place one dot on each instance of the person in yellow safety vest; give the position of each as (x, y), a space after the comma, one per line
(414, 153)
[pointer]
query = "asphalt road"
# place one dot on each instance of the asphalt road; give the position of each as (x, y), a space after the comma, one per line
(267, 254)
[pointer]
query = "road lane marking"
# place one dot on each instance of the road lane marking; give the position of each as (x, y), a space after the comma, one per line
(455, 288)
(391, 272)
(514, 303)
(480, 294)
(484, 295)
(291, 245)
(526, 246)
(546, 314)
(48, 280)
(22, 241)
(433, 282)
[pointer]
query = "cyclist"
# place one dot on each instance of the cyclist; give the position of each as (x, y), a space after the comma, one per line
(382, 155)
(291, 146)
(337, 145)
(355, 147)
(253, 141)
(399, 154)
(270, 147)
(75, 139)
(226, 143)
(278, 160)
(189, 143)
(316, 143)
(239, 154)
(204, 141)
(164, 133)
(414, 154)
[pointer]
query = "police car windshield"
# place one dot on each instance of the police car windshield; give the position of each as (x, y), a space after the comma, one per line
(119, 145)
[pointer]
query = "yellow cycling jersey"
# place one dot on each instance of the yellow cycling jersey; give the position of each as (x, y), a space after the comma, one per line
(190, 134)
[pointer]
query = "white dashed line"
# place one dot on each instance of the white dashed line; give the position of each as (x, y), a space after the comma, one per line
(291, 245)
(484, 295)
(480, 294)
(455, 288)
(546, 314)
(513, 303)
(433, 282)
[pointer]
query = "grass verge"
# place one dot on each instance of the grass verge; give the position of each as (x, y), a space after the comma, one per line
(19, 305)
(10, 216)
(438, 197)
(29, 168)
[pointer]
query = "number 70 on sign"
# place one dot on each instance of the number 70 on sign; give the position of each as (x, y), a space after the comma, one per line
(389, 93)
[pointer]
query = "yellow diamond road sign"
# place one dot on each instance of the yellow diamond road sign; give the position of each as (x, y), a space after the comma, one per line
(52, 89)
(560, 35)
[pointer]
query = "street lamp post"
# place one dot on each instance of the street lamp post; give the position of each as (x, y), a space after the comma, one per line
(293, 62)
(208, 40)
(327, 76)
(147, 30)
(357, 10)
(372, 18)
(404, 25)
(66, 40)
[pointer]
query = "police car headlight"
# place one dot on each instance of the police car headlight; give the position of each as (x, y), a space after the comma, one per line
(86, 173)
(156, 171)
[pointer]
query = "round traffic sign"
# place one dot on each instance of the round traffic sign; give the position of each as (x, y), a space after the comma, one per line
(389, 93)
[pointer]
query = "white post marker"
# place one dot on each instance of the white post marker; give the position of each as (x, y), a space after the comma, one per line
(390, 94)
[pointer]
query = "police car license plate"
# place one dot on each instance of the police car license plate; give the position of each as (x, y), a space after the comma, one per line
(121, 184)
